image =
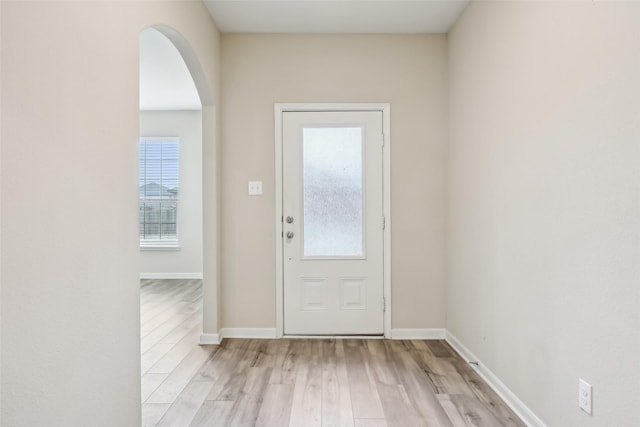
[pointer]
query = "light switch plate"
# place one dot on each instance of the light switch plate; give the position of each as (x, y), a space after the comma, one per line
(255, 188)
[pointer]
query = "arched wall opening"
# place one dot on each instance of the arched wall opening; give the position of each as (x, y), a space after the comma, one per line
(208, 163)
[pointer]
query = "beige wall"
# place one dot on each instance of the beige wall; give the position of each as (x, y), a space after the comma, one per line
(407, 71)
(70, 293)
(187, 261)
(544, 213)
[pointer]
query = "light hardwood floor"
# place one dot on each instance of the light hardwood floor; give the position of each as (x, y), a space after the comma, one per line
(298, 382)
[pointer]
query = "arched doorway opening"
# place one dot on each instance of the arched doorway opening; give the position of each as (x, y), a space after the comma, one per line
(177, 103)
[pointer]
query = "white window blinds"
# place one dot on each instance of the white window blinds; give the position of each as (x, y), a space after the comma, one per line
(158, 189)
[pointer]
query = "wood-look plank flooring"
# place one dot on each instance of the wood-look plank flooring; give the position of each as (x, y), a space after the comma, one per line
(299, 382)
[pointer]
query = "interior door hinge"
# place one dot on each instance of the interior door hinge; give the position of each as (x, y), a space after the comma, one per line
(384, 305)
(384, 222)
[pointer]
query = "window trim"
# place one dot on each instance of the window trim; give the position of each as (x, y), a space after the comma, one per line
(160, 245)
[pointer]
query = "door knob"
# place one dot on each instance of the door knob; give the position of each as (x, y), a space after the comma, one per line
(289, 219)
(289, 234)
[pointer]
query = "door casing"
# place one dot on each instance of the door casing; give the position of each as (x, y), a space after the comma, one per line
(385, 108)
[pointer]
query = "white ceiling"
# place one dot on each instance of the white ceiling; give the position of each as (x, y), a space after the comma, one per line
(165, 82)
(335, 16)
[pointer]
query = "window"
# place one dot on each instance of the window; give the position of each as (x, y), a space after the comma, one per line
(158, 191)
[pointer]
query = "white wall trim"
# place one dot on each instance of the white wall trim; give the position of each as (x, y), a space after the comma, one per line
(494, 382)
(210, 339)
(171, 275)
(385, 108)
(418, 334)
(253, 333)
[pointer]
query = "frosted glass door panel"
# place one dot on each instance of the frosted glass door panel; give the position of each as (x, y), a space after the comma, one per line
(332, 175)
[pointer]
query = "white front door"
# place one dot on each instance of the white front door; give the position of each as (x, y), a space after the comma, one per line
(333, 223)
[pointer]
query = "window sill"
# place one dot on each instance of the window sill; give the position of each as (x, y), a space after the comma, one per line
(160, 246)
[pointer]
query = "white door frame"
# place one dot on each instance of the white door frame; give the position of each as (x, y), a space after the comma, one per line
(385, 108)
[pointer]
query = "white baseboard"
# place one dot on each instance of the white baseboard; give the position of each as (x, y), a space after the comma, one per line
(494, 382)
(256, 333)
(418, 334)
(210, 339)
(171, 275)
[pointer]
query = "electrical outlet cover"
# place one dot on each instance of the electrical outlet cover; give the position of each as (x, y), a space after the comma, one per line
(584, 396)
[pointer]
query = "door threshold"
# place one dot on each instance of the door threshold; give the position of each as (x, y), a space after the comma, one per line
(322, 337)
